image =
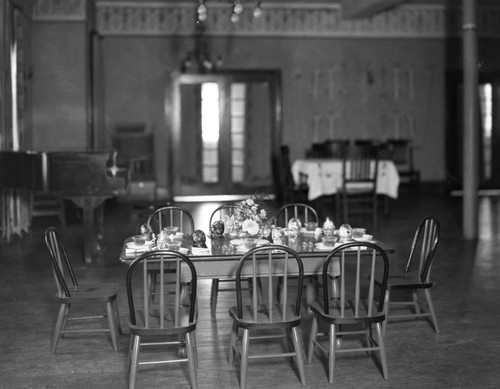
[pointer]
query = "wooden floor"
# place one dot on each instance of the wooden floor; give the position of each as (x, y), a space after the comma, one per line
(464, 355)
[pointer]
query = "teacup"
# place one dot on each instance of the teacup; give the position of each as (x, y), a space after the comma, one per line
(358, 233)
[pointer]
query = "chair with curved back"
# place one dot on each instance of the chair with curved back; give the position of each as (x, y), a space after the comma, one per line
(220, 213)
(72, 294)
(172, 322)
(301, 211)
(415, 276)
(171, 215)
(265, 315)
(356, 308)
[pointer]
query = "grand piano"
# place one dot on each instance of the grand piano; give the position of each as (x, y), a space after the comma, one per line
(85, 178)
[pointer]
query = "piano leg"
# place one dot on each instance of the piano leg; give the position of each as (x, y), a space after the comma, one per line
(89, 204)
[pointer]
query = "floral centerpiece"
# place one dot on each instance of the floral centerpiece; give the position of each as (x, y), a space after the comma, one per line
(250, 217)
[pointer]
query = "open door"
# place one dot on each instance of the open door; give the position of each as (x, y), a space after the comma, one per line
(225, 131)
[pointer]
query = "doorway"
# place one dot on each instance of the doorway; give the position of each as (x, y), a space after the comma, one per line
(488, 136)
(226, 128)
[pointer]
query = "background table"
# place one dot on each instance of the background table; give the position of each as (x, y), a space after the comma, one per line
(324, 176)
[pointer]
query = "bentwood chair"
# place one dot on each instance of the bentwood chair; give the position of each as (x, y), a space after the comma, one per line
(73, 295)
(220, 213)
(301, 211)
(355, 308)
(414, 277)
(172, 322)
(358, 194)
(162, 217)
(264, 317)
(171, 215)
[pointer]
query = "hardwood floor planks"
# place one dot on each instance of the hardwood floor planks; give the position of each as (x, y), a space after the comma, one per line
(464, 355)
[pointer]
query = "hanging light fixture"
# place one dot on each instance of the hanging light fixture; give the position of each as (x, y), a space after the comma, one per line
(236, 9)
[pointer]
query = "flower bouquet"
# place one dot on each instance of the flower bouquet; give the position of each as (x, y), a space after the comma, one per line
(250, 217)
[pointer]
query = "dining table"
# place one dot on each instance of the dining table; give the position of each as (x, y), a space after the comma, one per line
(324, 176)
(221, 255)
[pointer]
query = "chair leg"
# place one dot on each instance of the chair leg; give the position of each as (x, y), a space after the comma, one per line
(214, 295)
(383, 356)
(232, 343)
(387, 301)
(60, 325)
(416, 303)
(134, 360)
(112, 324)
(244, 358)
(312, 338)
(191, 355)
(297, 345)
(431, 309)
(116, 313)
(331, 352)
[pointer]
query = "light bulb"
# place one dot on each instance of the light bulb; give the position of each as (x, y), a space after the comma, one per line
(237, 8)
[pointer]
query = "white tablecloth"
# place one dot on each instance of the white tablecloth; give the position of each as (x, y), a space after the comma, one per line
(324, 176)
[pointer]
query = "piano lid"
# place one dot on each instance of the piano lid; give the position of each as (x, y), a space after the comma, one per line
(74, 174)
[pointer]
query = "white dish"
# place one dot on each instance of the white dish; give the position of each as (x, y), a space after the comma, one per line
(236, 242)
(183, 250)
(322, 247)
(365, 238)
(146, 246)
(261, 242)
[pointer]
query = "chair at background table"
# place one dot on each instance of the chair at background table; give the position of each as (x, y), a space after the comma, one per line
(287, 189)
(358, 194)
(263, 314)
(401, 152)
(219, 214)
(79, 295)
(415, 276)
(356, 309)
(170, 323)
(303, 212)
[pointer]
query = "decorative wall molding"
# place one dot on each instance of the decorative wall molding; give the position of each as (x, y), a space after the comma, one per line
(278, 20)
(289, 20)
(59, 10)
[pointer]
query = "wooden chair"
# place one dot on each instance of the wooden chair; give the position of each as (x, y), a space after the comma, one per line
(358, 194)
(401, 152)
(172, 322)
(303, 212)
(357, 307)
(71, 294)
(162, 217)
(171, 215)
(264, 314)
(287, 190)
(219, 214)
(415, 276)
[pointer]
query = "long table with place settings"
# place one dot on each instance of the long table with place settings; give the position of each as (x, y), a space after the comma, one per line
(324, 176)
(220, 260)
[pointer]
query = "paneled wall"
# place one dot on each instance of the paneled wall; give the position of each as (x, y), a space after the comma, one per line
(371, 78)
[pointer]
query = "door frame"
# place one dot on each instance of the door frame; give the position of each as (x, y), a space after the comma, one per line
(173, 111)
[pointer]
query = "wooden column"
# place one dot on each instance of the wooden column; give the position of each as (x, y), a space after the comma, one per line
(471, 121)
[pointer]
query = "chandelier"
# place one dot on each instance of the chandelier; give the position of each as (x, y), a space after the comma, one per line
(236, 9)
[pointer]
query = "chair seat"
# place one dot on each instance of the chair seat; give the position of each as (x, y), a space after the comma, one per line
(334, 316)
(407, 281)
(276, 321)
(104, 292)
(154, 329)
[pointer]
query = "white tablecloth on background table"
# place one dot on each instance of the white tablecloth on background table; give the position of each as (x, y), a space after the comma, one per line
(324, 176)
